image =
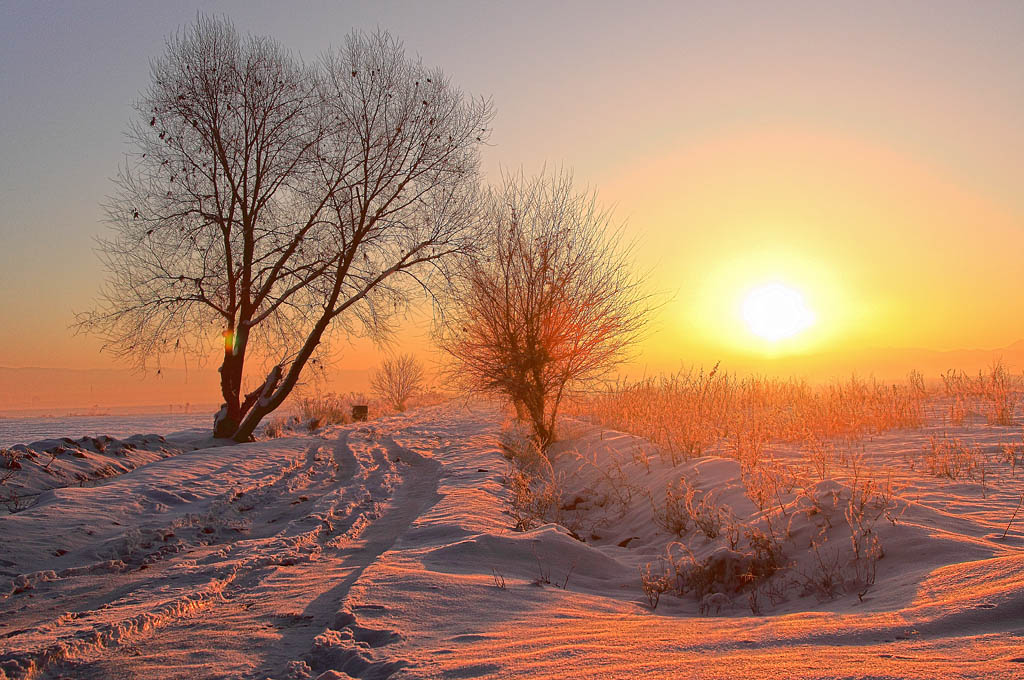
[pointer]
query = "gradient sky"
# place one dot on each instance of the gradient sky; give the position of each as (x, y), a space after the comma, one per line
(869, 154)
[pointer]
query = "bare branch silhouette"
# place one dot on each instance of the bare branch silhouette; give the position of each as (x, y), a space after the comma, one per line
(272, 203)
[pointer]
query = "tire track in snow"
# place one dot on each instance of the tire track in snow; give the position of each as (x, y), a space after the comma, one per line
(324, 507)
(335, 639)
(77, 633)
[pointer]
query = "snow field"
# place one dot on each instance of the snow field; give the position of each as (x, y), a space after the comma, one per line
(389, 550)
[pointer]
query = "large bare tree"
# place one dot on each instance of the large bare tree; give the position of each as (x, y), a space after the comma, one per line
(272, 203)
(552, 302)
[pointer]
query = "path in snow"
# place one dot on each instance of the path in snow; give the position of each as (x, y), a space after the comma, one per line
(377, 550)
(232, 559)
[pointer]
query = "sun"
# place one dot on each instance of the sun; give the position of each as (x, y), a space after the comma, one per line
(775, 311)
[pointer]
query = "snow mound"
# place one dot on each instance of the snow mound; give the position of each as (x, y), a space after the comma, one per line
(28, 470)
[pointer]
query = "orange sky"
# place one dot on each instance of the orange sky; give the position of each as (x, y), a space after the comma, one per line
(887, 249)
(869, 156)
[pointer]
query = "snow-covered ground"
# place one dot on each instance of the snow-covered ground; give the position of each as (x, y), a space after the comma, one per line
(24, 429)
(387, 549)
(27, 470)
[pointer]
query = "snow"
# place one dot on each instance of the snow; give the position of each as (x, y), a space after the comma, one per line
(386, 549)
(23, 429)
(28, 470)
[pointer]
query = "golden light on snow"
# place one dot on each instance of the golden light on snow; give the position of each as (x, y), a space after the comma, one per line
(775, 311)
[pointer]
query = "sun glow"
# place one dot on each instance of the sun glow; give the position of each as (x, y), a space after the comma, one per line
(769, 301)
(775, 312)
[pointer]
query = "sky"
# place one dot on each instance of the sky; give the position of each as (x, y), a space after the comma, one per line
(867, 155)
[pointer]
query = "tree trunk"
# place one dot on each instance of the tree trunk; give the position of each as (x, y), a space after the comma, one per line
(231, 370)
(261, 403)
(276, 388)
(535, 407)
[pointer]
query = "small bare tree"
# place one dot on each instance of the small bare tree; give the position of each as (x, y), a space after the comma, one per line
(552, 301)
(398, 379)
(271, 203)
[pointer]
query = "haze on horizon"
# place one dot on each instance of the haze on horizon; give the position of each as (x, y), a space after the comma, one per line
(866, 156)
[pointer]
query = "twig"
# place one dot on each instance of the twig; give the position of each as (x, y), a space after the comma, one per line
(544, 575)
(1014, 515)
(572, 567)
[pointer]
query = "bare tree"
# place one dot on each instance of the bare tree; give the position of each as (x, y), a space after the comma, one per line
(397, 379)
(553, 302)
(274, 203)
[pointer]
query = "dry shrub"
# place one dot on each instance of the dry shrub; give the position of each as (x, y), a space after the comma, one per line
(536, 491)
(685, 506)
(862, 503)
(697, 412)
(1013, 455)
(675, 516)
(748, 445)
(748, 556)
(429, 396)
(825, 578)
(1001, 392)
(522, 449)
(723, 573)
(766, 482)
(951, 458)
(679, 413)
(709, 516)
(320, 410)
(9, 464)
(324, 409)
(655, 583)
(274, 428)
(615, 481)
(534, 499)
(821, 456)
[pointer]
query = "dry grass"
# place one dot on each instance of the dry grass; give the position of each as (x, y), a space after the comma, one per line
(697, 412)
(1013, 455)
(675, 516)
(320, 410)
(688, 413)
(803, 454)
(536, 491)
(275, 427)
(317, 409)
(9, 464)
(993, 393)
